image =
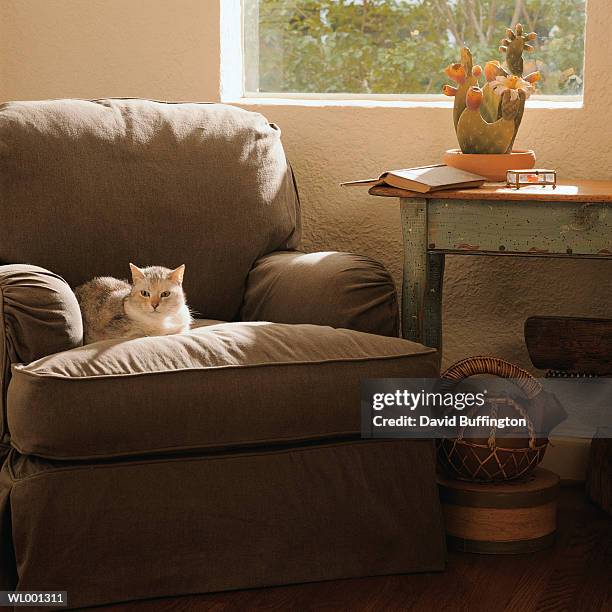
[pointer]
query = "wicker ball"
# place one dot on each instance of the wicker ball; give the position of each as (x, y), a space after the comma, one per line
(492, 459)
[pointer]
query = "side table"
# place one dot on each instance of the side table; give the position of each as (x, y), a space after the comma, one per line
(574, 220)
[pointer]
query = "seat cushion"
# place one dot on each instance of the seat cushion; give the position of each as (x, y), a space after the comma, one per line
(216, 387)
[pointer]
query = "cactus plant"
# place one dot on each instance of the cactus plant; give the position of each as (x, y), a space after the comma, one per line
(513, 46)
(461, 73)
(487, 120)
(476, 135)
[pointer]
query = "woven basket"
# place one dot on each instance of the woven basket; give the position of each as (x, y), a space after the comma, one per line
(484, 459)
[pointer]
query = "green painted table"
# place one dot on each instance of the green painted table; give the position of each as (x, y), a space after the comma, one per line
(574, 220)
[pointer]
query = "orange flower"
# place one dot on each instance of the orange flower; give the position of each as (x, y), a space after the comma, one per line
(492, 70)
(473, 99)
(456, 72)
(533, 77)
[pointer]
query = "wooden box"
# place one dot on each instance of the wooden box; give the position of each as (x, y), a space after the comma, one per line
(510, 517)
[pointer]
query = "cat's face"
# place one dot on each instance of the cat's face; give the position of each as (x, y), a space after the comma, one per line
(157, 291)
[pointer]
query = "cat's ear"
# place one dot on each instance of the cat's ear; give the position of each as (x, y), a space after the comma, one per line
(177, 275)
(137, 273)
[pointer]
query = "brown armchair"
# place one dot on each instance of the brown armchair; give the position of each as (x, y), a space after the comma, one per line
(227, 457)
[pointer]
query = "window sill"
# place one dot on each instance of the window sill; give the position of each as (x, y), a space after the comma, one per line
(379, 103)
(324, 102)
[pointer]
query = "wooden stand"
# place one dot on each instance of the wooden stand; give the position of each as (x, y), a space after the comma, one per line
(599, 474)
(510, 517)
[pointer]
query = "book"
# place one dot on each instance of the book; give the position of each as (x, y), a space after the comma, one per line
(423, 179)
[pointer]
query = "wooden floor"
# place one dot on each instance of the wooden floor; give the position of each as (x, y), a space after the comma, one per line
(574, 575)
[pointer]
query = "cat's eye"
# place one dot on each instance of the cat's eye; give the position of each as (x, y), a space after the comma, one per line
(164, 294)
(145, 293)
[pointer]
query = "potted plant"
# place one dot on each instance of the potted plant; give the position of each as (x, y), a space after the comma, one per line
(487, 119)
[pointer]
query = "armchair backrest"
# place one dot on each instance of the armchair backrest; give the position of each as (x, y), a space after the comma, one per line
(88, 186)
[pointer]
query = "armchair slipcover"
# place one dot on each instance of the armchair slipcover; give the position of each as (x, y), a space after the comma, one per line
(227, 457)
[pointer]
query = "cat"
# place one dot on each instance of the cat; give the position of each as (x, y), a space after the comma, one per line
(153, 305)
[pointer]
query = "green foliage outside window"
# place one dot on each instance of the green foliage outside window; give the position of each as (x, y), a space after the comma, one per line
(402, 46)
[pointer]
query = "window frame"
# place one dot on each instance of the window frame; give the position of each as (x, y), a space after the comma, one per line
(234, 79)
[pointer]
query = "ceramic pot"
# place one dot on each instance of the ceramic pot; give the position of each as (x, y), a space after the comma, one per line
(492, 166)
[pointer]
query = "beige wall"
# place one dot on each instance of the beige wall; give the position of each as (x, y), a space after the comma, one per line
(165, 49)
(170, 50)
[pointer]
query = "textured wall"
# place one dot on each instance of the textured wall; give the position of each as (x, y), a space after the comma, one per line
(170, 50)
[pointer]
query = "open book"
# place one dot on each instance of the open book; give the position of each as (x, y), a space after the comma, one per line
(424, 179)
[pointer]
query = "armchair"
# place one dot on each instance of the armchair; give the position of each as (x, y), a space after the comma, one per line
(227, 457)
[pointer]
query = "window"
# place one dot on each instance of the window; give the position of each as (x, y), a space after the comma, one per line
(400, 46)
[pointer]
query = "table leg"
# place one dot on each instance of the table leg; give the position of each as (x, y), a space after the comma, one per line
(423, 276)
(432, 320)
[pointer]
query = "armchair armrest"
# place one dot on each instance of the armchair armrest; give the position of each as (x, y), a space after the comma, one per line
(335, 289)
(39, 315)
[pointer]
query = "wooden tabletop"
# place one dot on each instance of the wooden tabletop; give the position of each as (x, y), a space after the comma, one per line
(566, 191)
